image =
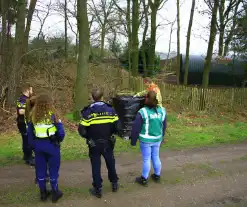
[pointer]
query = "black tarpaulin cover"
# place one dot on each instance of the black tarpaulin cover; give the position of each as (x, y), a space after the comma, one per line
(127, 107)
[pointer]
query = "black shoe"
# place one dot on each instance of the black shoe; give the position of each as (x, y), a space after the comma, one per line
(142, 181)
(156, 178)
(96, 192)
(32, 162)
(44, 195)
(27, 162)
(114, 187)
(24, 157)
(56, 195)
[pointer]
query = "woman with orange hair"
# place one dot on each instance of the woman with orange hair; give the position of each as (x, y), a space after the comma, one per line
(45, 134)
(151, 86)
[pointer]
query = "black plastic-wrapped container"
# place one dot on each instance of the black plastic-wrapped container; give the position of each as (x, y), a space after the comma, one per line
(127, 107)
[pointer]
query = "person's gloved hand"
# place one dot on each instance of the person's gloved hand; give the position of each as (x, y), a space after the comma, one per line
(134, 96)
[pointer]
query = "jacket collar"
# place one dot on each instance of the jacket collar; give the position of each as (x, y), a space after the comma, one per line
(98, 103)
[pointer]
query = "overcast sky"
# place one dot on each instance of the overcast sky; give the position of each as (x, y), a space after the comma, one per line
(55, 25)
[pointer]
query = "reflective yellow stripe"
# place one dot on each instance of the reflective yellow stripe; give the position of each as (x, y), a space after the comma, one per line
(21, 105)
(99, 120)
(100, 117)
(44, 130)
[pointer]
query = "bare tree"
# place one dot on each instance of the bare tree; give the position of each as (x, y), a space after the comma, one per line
(188, 43)
(68, 10)
(134, 38)
(155, 6)
(28, 24)
(213, 31)
(228, 12)
(178, 42)
(103, 11)
(65, 29)
(145, 7)
(126, 22)
(225, 16)
(42, 14)
(170, 38)
(129, 30)
(230, 32)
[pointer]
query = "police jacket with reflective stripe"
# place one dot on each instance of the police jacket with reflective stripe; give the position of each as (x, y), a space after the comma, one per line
(99, 121)
(44, 130)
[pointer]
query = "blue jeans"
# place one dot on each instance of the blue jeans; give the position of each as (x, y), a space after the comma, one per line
(150, 151)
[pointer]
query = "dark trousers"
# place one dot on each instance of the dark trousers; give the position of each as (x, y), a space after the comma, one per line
(27, 150)
(95, 157)
(46, 175)
(48, 156)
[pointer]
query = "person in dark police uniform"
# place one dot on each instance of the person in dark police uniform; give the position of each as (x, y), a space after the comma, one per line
(98, 124)
(21, 105)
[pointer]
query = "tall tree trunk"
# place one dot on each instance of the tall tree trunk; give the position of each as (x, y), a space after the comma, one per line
(227, 43)
(170, 40)
(152, 54)
(144, 59)
(186, 72)
(28, 24)
(129, 34)
(4, 53)
(213, 31)
(135, 27)
(77, 43)
(178, 42)
(221, 41)
(8, 49)
(222, 27)
(102, 44)
(14, 79)
(81, 88)
(65, 29)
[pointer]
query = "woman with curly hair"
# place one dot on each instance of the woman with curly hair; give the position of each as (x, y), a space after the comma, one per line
(29, 107)
(45, 134)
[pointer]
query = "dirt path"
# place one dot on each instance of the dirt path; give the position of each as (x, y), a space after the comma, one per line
(202, 177)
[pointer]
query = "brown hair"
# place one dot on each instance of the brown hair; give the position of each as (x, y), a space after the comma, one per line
(42, 108)
(97, 94)
(29, 106)
(151, 99)
(25, 87)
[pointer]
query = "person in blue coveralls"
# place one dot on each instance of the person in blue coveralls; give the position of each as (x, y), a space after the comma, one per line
(28, 111)
(149, 128)
(27, 92)
(45, 133)
(98, 124)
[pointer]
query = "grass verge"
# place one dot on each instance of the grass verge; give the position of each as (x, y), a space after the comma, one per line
(182, 132)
